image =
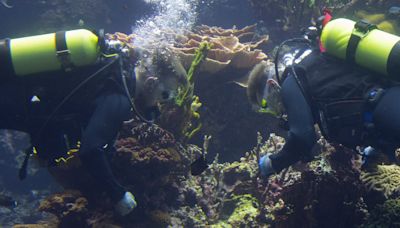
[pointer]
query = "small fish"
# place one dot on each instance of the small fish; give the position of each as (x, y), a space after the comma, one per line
(5, 3)
(7, 201)
(81, 23)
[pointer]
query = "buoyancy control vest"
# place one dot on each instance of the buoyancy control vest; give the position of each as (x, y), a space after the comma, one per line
(363, 44)
(49, 52)
(337, 93)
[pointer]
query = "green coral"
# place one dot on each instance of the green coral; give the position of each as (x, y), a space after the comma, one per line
(240, 168)
(385, 179)
(385, 215)
(188, 217)
(185, 98)
(245, 211)
(321, 165)
(185, 93)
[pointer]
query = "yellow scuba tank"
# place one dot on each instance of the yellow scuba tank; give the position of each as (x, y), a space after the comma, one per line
(49, 52)
(362, 43)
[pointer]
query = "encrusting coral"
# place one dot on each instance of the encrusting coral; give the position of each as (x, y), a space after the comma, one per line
(70, 207)
(239, 210)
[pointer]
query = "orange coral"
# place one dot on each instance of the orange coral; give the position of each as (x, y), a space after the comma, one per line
(65, 204)
(228, 47)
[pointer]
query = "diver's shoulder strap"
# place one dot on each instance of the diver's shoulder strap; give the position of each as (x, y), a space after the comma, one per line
(63, 53)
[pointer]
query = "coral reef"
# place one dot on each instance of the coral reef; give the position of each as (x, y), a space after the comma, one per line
(386, 179)
(382, 20)
(228, 48)
(326, 192)
(290, 16)
(385, 215)
(70, 208)
(239, 210)
(237, 48)
(232, 55)
(154, 164)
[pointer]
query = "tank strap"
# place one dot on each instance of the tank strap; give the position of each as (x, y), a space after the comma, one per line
(361, 29)
(6, 66)
(63, 53)
(392, 66)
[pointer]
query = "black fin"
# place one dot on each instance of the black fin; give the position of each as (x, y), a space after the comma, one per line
(24, 167)
(199, 166)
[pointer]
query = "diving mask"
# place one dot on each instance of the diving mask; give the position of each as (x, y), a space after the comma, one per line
(271, 101)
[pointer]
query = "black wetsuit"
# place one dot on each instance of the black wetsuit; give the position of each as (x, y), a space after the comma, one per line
(334, 94)
(93, 116)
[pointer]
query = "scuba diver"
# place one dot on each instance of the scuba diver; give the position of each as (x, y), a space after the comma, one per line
(342, 77)
(72, 91)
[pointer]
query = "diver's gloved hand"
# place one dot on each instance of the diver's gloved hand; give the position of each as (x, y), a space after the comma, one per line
(126, 204)
(368, 154)
(265, 166)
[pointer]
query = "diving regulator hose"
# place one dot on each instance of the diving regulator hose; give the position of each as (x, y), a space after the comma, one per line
(124, 77)
(118, 51)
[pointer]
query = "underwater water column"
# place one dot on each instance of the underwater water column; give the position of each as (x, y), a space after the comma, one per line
(170, 16)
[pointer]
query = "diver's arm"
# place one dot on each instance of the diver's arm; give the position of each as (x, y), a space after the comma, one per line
(301, 136)
(110, 112)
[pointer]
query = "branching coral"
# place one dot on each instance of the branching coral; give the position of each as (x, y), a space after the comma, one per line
(385, 179)
(186, 99)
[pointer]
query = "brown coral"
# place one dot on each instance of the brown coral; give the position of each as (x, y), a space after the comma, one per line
(227, 48)
(122, 37)
(64, 204)
(70, 207)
